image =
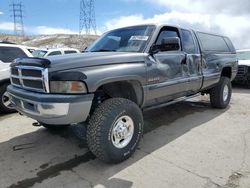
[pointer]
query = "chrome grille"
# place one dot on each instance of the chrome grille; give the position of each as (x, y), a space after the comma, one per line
(242, 70)
(30, 78)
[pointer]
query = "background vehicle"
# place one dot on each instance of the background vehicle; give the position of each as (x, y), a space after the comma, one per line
(52, 52)
(243, 75)
(8, 52)
(124, 72)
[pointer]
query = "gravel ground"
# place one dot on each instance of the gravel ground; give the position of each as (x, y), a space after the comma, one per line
(186, 145)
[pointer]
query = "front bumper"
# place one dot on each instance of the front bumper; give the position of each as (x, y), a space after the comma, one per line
(243, 75)
(51, 109)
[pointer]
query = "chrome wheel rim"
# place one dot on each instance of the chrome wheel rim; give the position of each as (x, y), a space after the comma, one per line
(6, 100)
(225, 93)
(122, 132)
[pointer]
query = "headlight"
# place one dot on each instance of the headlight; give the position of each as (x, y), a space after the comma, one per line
(74, 87)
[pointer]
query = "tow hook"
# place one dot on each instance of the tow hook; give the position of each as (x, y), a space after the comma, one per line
(36, 124)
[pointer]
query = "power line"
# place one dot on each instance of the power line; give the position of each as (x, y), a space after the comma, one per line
(87, 21)
(17, 13)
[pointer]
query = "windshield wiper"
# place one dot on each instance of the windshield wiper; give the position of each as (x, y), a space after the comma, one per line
(103, 50)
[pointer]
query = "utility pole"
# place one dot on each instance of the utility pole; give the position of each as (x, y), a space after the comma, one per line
(87, 21)
(17, 13)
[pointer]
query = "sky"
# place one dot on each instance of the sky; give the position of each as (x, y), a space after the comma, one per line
(227, 17)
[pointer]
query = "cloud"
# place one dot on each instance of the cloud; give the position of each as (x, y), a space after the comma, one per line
(1, 12)
(213, 6)
(39, 30)
(227, 17)
(45, 30)
(6, 26)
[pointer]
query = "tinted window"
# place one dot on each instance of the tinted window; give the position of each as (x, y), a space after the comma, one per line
(188, 42)
(213, 43)
(166, 34)
(70, 52)
(55, 53)
(8, 54)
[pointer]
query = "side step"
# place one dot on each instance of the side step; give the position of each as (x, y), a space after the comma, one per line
(171, 102)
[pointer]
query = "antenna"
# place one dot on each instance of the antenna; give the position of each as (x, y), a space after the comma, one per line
(17, 13)
(87, 20)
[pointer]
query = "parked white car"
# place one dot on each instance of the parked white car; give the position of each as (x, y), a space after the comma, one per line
(52, 52)
(243, 75)
(8, 52)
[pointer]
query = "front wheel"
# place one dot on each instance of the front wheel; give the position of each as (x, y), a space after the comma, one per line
(114, 130)
(220, 95)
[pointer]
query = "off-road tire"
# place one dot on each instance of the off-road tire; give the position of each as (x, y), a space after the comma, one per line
(99, 129)
(216, 94)
(3, 108)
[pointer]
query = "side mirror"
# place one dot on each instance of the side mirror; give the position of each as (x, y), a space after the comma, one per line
(84, 50)
(167, 44)
(170, 44)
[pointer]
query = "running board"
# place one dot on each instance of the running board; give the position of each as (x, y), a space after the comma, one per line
(171, 102)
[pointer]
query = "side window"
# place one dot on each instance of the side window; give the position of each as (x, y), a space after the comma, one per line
(70, 52)
(213, 43)
(8, 54)
(230, 45)
(165, 34)
(188, 44)
(55, 53)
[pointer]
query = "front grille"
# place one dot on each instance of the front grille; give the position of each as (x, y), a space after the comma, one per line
(242, 70)
(30, 78)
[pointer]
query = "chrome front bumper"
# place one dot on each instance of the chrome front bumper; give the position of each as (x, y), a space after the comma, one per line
(51, 108)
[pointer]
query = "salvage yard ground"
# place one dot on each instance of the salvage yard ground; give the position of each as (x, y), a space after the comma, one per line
(186, 145)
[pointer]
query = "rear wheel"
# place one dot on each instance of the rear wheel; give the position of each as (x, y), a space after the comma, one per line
(5, 103)
(114, 130)
(220, 95)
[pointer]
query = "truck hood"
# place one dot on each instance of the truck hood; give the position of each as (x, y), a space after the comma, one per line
(72, 61)
(244, 62)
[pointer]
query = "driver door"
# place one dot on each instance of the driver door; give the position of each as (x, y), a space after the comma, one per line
(166, 77)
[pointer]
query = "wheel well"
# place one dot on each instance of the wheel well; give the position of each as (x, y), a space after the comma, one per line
(131, 90)
(227, 72)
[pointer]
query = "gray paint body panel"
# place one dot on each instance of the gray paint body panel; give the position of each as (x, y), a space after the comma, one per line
(162, 77)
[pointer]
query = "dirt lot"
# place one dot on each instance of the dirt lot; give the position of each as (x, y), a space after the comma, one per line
(186, 145)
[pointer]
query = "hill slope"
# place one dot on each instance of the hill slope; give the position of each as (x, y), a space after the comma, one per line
(52, 41)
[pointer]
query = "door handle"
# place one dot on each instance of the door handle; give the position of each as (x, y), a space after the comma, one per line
(184, 60)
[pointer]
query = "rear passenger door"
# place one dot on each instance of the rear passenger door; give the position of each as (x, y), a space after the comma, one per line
(216, 54)
(192, 64)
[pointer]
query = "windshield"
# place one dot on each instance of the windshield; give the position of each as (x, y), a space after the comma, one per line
(39, 53)
(131, 39)
(244, 55)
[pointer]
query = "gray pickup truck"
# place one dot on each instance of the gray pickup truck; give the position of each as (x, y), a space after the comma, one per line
(124, 72)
